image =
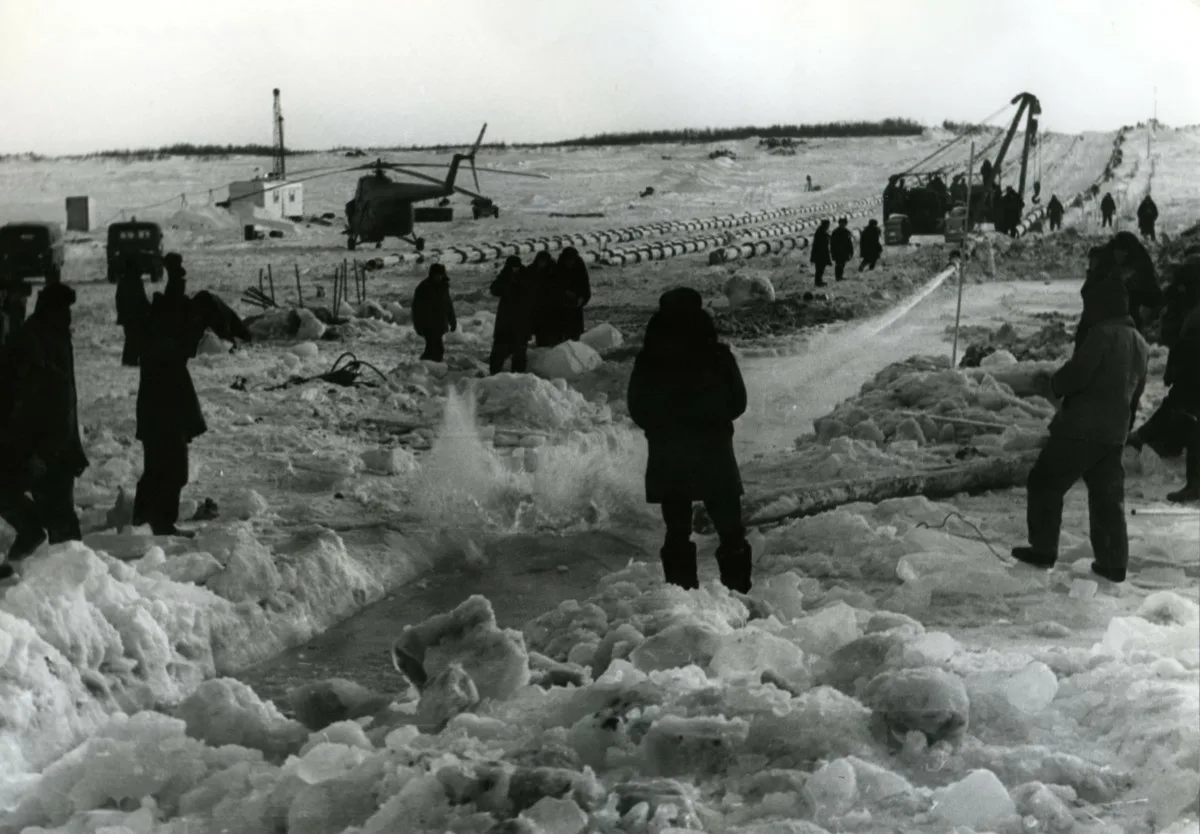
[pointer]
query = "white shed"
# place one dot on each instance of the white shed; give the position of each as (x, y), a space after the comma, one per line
(279, 199)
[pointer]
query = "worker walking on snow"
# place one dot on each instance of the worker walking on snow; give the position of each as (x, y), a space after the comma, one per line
(132, 309)
(169, 417)
(1147, 215)
(514, 316)
(40, 449)
(1100, 387)
(870, 245)
(1055, 211)
(820, 255)
(433, 312)
(1108, 210)
(1013, 207)
(841, 247)
(685, 393)
(575, 291)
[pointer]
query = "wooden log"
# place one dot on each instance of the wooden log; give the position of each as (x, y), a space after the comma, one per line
(971, 477)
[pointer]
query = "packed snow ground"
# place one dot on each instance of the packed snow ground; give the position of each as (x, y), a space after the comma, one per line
(1047, 703)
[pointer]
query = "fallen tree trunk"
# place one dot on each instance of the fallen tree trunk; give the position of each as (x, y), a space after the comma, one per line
(971, 477)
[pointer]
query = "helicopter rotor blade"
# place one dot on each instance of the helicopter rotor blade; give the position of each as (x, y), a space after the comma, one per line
(489, 170)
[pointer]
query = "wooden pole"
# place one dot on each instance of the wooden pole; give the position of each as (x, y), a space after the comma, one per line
(271, 281)
(299, 291)
(336, 300)
(962, 264)
(260, 282)
(358, 287)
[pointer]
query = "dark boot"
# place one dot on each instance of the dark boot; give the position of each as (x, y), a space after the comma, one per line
(1033, 558)
(1191, 489)
(736, 564)
(1111, 574)
(679, 564)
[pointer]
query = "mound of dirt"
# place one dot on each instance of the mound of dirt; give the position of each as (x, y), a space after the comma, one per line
(787, 315)
(1052, 342)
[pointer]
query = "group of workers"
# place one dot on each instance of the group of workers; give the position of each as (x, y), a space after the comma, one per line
(1147, 214)
(543, 301)
(836, 248)
(41, 449)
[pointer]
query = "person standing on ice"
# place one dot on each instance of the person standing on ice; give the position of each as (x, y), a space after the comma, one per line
(1100, 387)
(1147, 215)
(1108, 209)
(40, 449)
(820, 256)
(132, 309)
(547, 305)
(514, 316)
(168, 411)
(841, 248)
(1013, 206)
(870, 245)
(433, 312)
(685, 393)
(575, 289)
(1055, 211)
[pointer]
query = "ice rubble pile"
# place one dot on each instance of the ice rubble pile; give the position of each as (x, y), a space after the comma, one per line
(1052, 342)
(804, 707)
(528, 402)
(925, 386)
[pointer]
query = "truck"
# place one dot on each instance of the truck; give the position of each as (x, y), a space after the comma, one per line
(135, 241)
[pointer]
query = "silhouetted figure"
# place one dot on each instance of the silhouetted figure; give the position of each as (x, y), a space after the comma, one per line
(1135, 268)
(958, 190)
(433, 312)
(870, 245)
(841, 248)
(575, 291)
(1055, 211)
(685, 393)
(893, 197)
(514, 316)
(40, 450)
(210, 312)
(1037, 193)
(133, 307)
(14, 302)
(1147, 215)
(1100, 386)
(1108, 209)
(985, 171)
(808, 182)
(938, 186)
(820, 255)
(168, 411)
(547, 305)
(1014, 206)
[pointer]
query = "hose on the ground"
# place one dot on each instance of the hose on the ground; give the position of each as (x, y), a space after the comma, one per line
(339, 374)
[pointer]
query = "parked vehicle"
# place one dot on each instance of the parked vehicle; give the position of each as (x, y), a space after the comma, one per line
(138, 240)
(31, 249)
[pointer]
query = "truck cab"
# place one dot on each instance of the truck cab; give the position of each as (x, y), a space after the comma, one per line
(136, 241)
(31, 249)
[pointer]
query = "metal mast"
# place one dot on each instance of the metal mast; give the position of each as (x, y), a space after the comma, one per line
(280, 169)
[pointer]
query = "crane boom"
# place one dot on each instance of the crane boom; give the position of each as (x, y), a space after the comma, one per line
(1028, 103)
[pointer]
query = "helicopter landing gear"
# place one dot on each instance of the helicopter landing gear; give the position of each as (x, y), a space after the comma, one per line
(418, 242)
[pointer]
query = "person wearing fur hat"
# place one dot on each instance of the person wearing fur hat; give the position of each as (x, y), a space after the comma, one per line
(841, 248)
(870, 245)
(169, 416)
(433, 312)
(1099, 387)
(575, 288)
(514, 316)
(820, 256)
(685, 393)
(40, 449)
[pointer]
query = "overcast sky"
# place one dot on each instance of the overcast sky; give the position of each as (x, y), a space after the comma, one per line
(79, 75)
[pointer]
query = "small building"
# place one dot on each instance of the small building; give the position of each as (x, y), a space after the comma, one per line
(278, 199)
(81, 214)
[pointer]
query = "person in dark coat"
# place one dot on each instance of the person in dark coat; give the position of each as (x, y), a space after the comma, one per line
(132, 309)
(841, 248)
(820, 255)
(433, 312)
(1055, 211)
(40, 449)
(1175, 426)
(514, 316)
(1099, 388)
(1135, 268)
(547, 305)
(685, 393)
(14, 302)
(212, 313)
(1014, 206)
(870, 245)
(168, 411)
(575, 289)
(1108, 209)
(1147, 215)
(985, 172)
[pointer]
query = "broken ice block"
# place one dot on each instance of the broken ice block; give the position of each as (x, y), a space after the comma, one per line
(825, 631)
(980, 800)
(1083, 589)
(833, 788)
(1033, 688)
(749, 651)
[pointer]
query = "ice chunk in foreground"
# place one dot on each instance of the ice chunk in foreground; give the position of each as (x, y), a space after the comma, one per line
(602, 337)
(980, 800)
(833, 789)
(1033, 688)
(566, 361)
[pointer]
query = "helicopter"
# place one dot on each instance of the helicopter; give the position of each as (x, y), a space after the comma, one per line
(383, 208)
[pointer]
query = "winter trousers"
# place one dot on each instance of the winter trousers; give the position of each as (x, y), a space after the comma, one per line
(1107, 220)
(47, 511)
(501, 351)
(679, 551)
(1061, 463)
(1147, 230)
(868, 263)
(839, 270)
(131, 354)
(164, 474)
(435, 348)
(1055, 223)
(820, 270)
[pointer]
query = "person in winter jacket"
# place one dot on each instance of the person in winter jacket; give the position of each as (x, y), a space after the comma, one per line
(575, 289)
(1014, 207)
(1099, 387)
(820, 256)
(40, 449)
(14, 302)
(547, 304)
(514, 316)
(870, 245)
(1135, 268)
(685, 393)
(169, 416)
(1147, 215)
(841, 248)
(132, 309)
(433, 312)
(1055, 211)
(1108, 210)
(1175, 426)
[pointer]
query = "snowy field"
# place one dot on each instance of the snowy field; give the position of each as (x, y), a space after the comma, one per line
(889, 672)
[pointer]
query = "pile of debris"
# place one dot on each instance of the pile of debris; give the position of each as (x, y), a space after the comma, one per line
(1051, 343)
(786, 316)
